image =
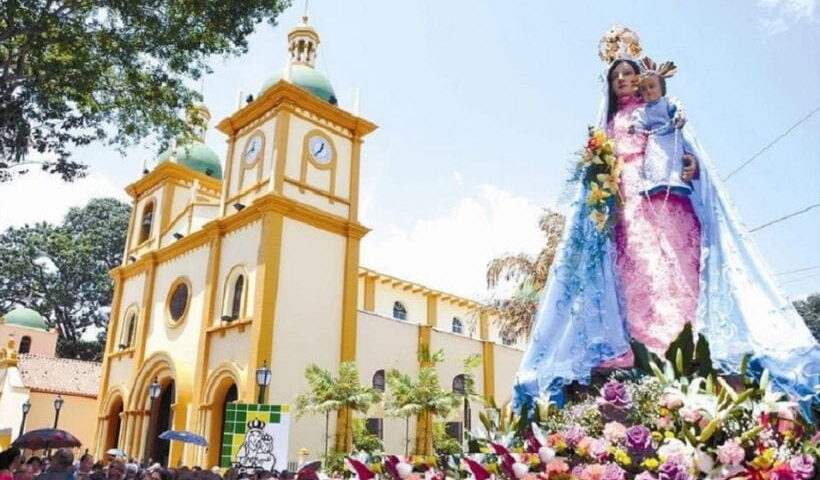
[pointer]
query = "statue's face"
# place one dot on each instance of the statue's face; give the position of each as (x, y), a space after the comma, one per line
(253, 437)
(650, 88)
(623, 79)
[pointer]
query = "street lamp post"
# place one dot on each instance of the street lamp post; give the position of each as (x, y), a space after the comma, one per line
(58, 404)
(26, 409)
(154, 392)
(263, 375)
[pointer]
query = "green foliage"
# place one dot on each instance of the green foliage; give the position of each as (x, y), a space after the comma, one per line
(684, 357)
(77, 72)
(809, 309)
(444, 444)
(364, 441)
(341, 394)
(61, 271)
(423, 397)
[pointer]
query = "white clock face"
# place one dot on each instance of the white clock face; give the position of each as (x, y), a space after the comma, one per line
(320, 149)
(253, 148)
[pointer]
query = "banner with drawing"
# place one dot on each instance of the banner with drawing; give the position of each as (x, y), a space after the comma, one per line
(255, 436)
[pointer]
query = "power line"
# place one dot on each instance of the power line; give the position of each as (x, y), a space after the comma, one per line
(806, 269)
(800, 278)
(777, 139)
(784, 217)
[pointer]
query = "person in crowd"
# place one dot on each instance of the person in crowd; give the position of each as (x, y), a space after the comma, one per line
(60, 466)
(116, 470)
(84, 467)
(36, 464)
(10, 461)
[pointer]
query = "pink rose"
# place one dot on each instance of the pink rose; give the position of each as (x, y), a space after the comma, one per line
(664, 422)
(614, 431)
(593, 472)
(690, 414)
(557, 467)
(671, 400)
(731, 453)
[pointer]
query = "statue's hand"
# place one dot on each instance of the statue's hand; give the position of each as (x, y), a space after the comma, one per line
(690, 167)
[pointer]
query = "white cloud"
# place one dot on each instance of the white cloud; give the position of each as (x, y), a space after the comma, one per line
(38, 196)
(780, 15)
(450, 252)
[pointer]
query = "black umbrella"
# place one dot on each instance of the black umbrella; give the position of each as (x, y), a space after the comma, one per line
(46, 438)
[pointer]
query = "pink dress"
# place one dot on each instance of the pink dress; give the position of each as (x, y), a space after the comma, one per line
(657, 242)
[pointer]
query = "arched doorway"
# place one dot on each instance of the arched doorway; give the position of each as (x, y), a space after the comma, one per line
(113, 425)
(226, 393)
(231, 395)
(161, 420)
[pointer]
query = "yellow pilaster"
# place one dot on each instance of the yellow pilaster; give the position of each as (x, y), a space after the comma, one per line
(349, 306)
(370, 294)
(113, 326)
(488, 357)
(267, 287)
(212, 283)
(281, 138)
(147, 309)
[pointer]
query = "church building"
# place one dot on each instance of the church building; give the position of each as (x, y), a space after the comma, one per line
(253, 262)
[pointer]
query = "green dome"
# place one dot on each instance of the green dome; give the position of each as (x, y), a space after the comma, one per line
(25, 317)
(197, 156)
(306, 78)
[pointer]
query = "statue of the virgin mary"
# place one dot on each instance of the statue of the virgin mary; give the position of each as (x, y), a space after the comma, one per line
(673, 256)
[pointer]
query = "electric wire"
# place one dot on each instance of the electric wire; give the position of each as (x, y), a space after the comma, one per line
(806, 269)
(784, 217)
(800, 278)
(776, 139)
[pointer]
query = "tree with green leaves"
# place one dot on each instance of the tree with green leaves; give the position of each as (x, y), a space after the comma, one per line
(424, 398)
(342, 395)
(74, 72)
(61, 271)
(809, 309)
(529, 275)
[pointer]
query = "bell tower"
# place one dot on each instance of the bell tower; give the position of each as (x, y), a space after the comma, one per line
(293, 161)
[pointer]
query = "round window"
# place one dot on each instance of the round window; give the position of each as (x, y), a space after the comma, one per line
(178, 303)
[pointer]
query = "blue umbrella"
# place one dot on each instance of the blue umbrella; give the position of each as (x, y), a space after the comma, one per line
(184, 436)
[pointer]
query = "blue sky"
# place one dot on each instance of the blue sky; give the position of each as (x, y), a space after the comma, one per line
(480, 106)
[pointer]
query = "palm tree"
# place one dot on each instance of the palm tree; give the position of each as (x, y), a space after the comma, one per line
(342, 394)
(424, 398)
(515, 314)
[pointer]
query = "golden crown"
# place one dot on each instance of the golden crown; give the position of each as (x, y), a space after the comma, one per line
(619, 43)
(665, 70)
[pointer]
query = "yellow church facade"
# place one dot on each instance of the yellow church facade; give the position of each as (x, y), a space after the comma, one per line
(257, 264)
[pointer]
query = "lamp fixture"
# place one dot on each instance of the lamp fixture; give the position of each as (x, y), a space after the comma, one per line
(238, 206)
(178, 235)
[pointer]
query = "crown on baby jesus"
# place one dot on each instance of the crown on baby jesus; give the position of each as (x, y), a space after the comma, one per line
(619, 43)
(665, 70)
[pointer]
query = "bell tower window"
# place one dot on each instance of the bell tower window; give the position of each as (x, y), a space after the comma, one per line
(146, 222)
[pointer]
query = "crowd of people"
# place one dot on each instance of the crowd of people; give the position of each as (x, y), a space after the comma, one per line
(62, 465)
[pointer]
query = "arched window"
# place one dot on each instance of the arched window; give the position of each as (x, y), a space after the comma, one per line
(129, 327)
(459, 385)
(458, 327)
(399, 311)
(378, 380)
(146, 222)
(236, 304)
(25, 344)
(236, 284)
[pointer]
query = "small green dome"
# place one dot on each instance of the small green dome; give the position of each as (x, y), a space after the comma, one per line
(306, 78)
(197, 156)
(25, 317)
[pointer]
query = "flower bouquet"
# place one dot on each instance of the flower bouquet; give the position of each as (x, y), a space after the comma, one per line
(669, 418)
(600, 171)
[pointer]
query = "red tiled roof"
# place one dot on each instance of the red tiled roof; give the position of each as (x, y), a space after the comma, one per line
(60, 375)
